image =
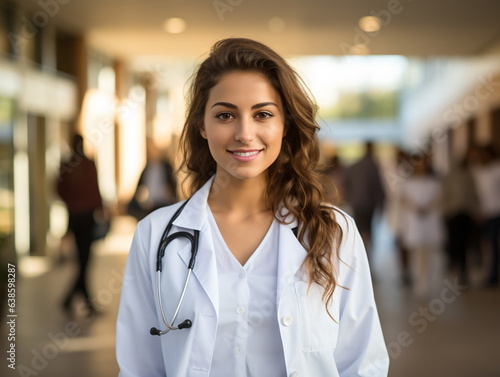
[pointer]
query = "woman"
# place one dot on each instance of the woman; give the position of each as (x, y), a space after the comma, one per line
(262, 301)
(422, 228)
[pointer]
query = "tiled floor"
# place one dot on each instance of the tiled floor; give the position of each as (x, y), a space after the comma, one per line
(454, 332)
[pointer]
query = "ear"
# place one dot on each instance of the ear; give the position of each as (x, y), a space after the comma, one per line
(203, 133)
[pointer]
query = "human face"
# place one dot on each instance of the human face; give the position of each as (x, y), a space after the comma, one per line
(244, 125)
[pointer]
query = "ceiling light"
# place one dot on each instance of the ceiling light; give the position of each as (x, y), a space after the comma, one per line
(174, 25)
(370, 24)
(276, 24)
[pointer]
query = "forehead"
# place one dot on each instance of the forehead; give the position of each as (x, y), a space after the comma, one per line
(243, 86)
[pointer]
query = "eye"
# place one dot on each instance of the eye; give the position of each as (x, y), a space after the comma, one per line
(263, 115)
(224, 116)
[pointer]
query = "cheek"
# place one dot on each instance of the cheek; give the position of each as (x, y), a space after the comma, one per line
(216, 138)
(276, 135)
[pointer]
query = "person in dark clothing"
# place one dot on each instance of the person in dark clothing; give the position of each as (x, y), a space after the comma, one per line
(78, 187)
(364, 192)
(460, 207)
(157, 186)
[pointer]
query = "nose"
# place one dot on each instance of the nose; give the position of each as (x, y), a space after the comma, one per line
(245, 132)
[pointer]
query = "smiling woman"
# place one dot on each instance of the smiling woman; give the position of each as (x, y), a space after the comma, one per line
(243, 125)
(282, 282)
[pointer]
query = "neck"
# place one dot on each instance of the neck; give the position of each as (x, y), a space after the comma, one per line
(243, 196)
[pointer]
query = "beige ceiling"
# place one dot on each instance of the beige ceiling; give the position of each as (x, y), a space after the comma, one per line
(133, 28)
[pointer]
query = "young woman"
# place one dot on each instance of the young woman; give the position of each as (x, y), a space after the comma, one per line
(281, 284)
(422, 228)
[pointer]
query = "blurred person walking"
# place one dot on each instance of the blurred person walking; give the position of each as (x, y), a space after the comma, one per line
(422, 230)
(78, 187)
(487, 178)
(459, 204)
(364, 192)
(398, 172)
(157, 186)
(334, 176)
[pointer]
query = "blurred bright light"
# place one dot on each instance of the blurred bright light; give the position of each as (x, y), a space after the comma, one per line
(31, 267)
(106, 80)
(276, 24)
(327, 76)
(97, 104)
(58, 219)
(21, 202)
(174, 25)
(370, 24)
(131, 120)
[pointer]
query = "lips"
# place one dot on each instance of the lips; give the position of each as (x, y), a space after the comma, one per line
(245, 154)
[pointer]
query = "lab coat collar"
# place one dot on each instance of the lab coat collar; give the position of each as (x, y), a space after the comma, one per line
(194, 215)
(291, 253)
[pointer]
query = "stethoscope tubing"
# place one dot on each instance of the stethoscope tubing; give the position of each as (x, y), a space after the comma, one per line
(181, 299)
(165, 241)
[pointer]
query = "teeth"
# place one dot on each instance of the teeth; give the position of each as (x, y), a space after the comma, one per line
(245, 154)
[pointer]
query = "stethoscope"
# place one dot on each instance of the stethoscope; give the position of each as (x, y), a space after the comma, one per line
(165, 241)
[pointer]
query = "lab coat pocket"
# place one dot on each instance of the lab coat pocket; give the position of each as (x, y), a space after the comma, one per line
(318, 330)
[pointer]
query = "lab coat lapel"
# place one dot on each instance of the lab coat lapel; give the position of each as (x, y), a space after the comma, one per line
(291, 254)
(194, 217)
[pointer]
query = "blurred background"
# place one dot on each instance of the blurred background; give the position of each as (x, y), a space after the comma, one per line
(409, 107)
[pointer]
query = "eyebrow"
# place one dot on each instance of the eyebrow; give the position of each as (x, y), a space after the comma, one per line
(231, 106)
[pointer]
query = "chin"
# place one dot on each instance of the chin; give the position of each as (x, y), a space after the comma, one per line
(248, 175)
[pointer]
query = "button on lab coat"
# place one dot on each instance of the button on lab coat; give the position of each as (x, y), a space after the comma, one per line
(314, 345)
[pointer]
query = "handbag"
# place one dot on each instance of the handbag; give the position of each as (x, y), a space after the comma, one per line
(102, 225)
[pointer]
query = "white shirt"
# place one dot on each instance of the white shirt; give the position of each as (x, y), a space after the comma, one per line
(248, 341)
(422, 229)
(488, 187)
(313, 344)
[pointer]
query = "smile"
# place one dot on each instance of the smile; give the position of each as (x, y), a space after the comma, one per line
(245, 155)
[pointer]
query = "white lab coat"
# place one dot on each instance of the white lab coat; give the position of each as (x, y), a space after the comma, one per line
(314, 345)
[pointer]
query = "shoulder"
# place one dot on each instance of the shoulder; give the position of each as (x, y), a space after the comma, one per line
(158, 218)
(342, 218)
(350, 243)
(345, 222)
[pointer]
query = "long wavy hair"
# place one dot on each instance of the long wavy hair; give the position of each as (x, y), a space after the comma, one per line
(294, 186)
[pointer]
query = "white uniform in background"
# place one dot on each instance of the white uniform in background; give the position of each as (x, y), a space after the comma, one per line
(423, 233)
(312, 343)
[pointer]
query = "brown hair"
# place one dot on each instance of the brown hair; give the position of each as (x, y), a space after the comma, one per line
(293, 180)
